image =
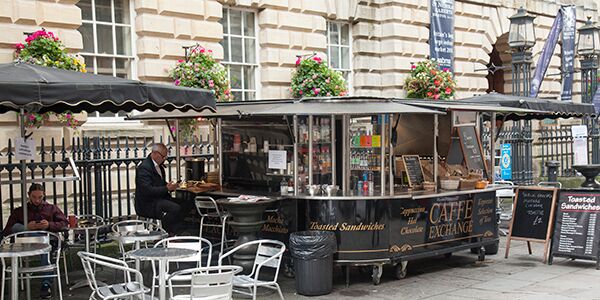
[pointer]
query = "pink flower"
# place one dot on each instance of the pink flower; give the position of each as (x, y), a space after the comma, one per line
(19, 46)
(343, 93)
(327, 80)
(209, 51)
(314, 76)
(429, 94)
(177, 82)
(413, 66)
(180, 60)
(202, 50)
(446, 70)
(317, 59)
(300, 92)
(448, 91)
(68, 116)
(316, 91)
(211, 83)
(436, 82)
(298, 61)
(31, 117)
(436, 96)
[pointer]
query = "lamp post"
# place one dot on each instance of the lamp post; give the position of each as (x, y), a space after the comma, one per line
(588, 50)
(521, 38)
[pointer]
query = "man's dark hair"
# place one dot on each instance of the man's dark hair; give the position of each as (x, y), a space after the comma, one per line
(36, 187)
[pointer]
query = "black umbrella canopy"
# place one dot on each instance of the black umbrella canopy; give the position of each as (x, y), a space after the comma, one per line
(42, 89)
(554, 109)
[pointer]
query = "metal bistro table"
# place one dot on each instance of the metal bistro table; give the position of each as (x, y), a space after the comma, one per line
(162, 255)
(14, 251)
(247, 220)
(87, 229)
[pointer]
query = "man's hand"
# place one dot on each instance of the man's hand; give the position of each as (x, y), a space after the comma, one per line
(43, 225)
(171, 186)
(33, 225)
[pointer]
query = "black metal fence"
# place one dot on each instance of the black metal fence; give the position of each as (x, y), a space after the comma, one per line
(556, 143)
(520, 136)
(106, 166)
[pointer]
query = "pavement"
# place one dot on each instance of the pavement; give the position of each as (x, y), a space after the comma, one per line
(461, 276)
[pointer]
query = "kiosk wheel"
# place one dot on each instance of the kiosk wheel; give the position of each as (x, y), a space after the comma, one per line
(377, 272)
(401, 270)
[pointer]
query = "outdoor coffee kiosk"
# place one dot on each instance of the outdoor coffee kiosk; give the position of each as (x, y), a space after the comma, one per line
(366, 168)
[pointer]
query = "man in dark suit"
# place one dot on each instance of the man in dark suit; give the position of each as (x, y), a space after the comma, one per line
(152, 192)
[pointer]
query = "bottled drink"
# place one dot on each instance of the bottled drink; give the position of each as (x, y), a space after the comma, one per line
(316, 132)
(283, 186)
(290, 186)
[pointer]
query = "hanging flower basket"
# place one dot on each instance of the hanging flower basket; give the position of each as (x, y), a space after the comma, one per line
(44, 48)
(313, 78)
(428, 81)
(201, 70)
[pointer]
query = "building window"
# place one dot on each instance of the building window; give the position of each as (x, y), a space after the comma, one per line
(240, 52)
(107, 39)
(339, 50)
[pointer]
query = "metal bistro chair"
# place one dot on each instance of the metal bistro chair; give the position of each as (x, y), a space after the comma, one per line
(268, 254)
(501, 194)
(199, 244)
(43, 269)
(125, 289)
(125, 226)
(208, 209)
(211, 283)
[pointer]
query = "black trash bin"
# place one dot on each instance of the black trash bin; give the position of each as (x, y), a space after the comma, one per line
(312, 252)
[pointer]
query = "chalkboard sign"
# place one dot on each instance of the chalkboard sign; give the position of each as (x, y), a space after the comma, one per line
(471, 148)
(414, 171)
(533, 212)
(455, 155)
(577, 231)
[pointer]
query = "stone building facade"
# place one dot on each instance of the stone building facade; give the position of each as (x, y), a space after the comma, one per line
(372, 41)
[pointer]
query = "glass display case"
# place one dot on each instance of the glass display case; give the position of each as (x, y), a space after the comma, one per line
(316, 150)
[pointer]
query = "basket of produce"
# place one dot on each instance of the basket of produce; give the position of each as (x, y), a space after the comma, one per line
(468, 184)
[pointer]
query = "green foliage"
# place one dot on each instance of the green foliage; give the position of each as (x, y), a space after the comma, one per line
(427, 81)
(313, 78)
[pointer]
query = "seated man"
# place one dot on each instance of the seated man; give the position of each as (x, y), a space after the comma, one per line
(152, 192)
(42, 216)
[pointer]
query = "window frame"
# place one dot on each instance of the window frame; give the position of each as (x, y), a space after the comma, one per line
(95, 117)
(226, 62)
(349, 70)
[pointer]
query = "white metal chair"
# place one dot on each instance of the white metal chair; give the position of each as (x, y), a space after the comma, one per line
(208, 209)
(129, 287)
(211, 283)
(132, 226)
(44, 269)
(199, 244)
(268, 254)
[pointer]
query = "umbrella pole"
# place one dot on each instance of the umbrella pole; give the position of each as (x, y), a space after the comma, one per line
(178, 150)
(23, 169)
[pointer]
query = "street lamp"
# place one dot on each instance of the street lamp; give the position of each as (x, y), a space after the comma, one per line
(588, 49)
(521, 38)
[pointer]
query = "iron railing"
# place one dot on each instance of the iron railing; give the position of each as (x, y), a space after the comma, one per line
(106, 166)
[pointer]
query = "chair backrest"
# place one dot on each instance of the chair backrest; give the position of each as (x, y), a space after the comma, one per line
(507, 192)
(89, 260)
(211, 283)
(268, 254)
(555, 184)
(206, 205)
(199, 244)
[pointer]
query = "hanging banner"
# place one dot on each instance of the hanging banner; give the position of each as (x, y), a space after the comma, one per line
(568, 51)
(544, 61)
(441, 33)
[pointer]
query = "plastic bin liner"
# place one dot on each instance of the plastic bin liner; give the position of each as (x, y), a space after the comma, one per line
(312, 244)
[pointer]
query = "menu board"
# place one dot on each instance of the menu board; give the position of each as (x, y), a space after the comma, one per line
(471, 148)
(455, 155)
(577, 230)
(414, 172)
(532, 212)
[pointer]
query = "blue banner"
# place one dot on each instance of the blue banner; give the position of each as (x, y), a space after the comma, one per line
(441, 33)
(544, 60)
(568, 51)
(505, 162)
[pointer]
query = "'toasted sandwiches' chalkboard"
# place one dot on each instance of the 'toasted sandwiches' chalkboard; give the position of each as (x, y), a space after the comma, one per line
(414, 171)
(577, 232)
(533, 212)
